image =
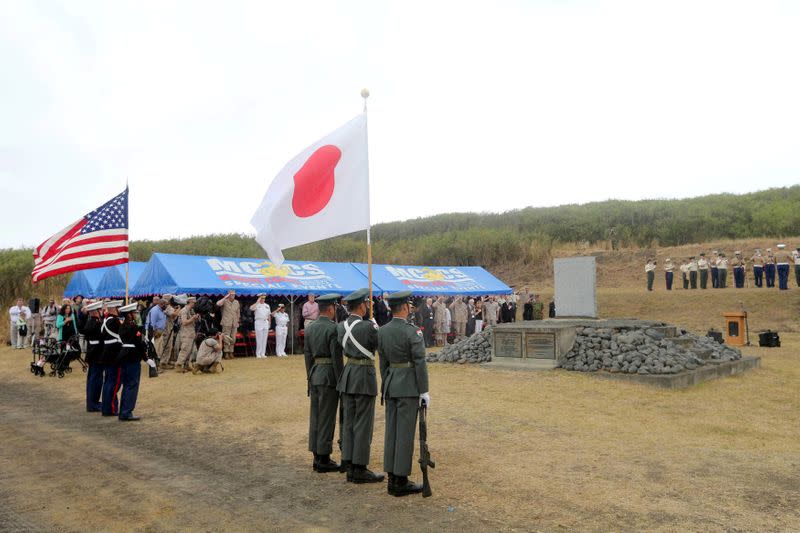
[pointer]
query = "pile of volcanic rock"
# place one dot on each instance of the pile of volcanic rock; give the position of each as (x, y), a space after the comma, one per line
(474, 349)
(643, 351)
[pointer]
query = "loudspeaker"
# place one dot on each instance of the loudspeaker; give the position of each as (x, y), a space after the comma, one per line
(769, 339)
(33, 304)
(716, 335)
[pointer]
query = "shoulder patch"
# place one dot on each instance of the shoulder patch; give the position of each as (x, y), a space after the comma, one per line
(374, 325)
(419, 332)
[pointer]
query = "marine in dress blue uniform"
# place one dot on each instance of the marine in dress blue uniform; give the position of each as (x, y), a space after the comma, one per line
(109, 358)
(131, 355)
(94, 349)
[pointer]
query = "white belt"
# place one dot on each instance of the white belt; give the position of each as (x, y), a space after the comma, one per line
(94, 342)
(787, 264)
(112, 341)
(129, 346)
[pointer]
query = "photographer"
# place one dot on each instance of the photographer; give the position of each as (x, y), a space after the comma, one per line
(209, 353)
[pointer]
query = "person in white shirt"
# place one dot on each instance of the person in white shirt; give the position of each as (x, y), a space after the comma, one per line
(650, 272)
(281, 330)
(448, 323)
(262, 316)
(16, 312)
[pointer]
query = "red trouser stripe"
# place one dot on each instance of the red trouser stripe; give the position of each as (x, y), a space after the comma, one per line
(116, 390)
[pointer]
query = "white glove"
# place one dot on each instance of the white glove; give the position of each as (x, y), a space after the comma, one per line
(151, 363)
(425, 399)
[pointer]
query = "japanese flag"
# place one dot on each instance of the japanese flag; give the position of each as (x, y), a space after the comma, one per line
(321, 193)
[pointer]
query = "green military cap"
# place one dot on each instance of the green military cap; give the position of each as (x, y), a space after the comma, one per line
(356, 297)
(399, 297)
(328, 298)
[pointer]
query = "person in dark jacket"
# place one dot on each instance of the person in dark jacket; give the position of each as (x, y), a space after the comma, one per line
(94, 349)
(109, 358)
(132, 352)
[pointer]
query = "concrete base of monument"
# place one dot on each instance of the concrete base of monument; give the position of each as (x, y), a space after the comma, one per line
(534, 345)
(687, 378)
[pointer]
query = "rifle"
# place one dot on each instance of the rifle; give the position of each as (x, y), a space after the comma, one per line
(424, 454)
(151, 353)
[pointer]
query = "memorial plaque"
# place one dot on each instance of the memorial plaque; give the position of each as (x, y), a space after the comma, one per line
(540, 345)
(508, 344)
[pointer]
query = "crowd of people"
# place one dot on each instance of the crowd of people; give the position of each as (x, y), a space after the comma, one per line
(698, 271)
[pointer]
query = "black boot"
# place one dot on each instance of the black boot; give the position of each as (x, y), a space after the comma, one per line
(391, 484)
(361, 474)
(324, 464)
(404, 487)
(346, 467)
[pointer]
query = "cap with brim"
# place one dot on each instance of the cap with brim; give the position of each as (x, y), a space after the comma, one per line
(399, 297)
(128, 308)
(93, 306)
(281, 306)
(261, 295)
(191, 299)
(328, 298)
(167, 296)
(181, 299)
(781, 246)
(114, 304)
(356, 297)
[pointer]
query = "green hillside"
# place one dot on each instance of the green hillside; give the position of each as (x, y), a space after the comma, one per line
(524, 236)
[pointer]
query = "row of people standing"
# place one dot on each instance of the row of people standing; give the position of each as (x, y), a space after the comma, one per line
(463, 317)
(340, 363)
(700, 270)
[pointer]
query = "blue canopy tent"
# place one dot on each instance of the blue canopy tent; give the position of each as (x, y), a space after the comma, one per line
(423, 281)
(84, 282)
(211, 275)
(112, 284)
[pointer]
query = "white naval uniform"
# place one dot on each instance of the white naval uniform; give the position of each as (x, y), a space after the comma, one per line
(281, 331)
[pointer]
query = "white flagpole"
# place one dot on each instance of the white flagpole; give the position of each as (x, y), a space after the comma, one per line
(365, 95)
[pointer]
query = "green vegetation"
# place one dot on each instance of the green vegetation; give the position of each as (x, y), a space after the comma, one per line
(524, 236)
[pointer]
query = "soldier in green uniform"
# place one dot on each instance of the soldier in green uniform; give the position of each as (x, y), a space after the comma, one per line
(404, 386)
(323, 356)
(358, 386)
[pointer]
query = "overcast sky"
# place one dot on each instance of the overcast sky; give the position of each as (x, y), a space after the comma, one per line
(478, 106)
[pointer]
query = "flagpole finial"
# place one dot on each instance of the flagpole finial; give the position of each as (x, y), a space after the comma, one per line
(364, 93)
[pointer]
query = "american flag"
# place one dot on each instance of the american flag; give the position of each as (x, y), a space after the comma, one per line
(96, 240)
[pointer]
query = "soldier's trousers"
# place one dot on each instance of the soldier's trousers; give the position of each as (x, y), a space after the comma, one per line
(769, 274)
(668, 276)
(797, 275)
(111, 384)
(187, 347)
(130, 374)
(461, 329)
(704, 279)
(228, 331)
(738, 277)
(693, 278)
(322, 419)
(758, 276)
(723, 278)
(94, 386)
(650, 277)
(783, 276)
(714, 277)
(359, 417)
(685, 280)
(401, 425)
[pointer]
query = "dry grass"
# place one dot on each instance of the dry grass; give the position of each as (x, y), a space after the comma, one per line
(514, 450)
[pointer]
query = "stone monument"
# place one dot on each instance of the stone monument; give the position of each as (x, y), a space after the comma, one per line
(575, 287)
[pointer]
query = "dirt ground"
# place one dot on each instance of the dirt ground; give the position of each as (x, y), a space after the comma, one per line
(515, 451)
